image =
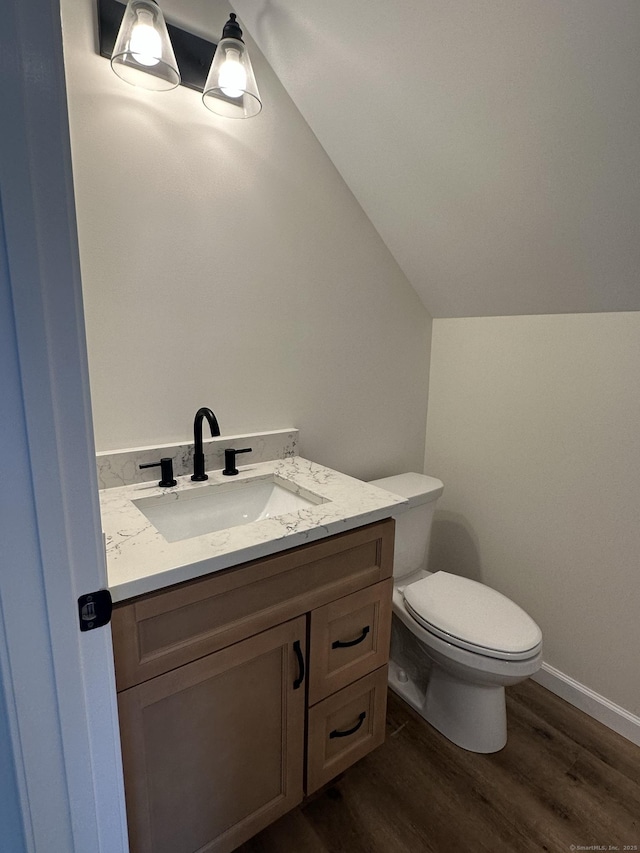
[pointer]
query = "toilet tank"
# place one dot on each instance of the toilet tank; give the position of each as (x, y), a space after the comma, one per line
(413, 519)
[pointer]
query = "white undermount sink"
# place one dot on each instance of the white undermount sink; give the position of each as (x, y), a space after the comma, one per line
(214, 507)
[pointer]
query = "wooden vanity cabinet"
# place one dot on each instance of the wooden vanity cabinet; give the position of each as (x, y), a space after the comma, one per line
(243, 690)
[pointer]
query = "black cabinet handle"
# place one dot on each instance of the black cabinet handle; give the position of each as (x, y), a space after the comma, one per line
(300, 656)
(336, 733)
(339, 644)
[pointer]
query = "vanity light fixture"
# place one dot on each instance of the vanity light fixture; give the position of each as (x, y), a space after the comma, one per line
(231, 89)
(143, 54)
(147, 52)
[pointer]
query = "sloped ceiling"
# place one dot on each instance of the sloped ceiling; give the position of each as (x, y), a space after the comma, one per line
(494, 144)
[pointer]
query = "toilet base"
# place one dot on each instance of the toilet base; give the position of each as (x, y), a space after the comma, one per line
(473, 716)
(405, 687)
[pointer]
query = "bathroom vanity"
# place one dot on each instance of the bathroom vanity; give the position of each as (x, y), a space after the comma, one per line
(247, 684)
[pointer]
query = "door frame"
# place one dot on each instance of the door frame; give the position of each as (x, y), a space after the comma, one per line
(58, 684)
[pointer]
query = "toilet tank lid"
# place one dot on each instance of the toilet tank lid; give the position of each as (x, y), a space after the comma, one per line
(416, 488)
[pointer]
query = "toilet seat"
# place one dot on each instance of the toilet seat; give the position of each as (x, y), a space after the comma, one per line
(472, 616)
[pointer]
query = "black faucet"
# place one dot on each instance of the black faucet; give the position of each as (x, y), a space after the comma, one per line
(198, 454)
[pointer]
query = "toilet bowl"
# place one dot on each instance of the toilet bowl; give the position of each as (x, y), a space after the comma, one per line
(456, 643)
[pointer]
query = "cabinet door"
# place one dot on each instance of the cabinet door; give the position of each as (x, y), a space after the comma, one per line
(213, 751)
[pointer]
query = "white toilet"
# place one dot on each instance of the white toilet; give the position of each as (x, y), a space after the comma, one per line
(456, 643)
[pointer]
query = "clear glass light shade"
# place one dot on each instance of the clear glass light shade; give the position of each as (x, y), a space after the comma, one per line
(142, 54)
(231, 90)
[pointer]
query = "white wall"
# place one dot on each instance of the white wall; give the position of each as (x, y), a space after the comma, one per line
(534, 427)
(501, 140)
(226, 264)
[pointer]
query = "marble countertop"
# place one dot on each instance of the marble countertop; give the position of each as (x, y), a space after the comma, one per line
(140, 559)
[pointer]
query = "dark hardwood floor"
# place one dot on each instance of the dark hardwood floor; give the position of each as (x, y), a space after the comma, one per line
(563, 779)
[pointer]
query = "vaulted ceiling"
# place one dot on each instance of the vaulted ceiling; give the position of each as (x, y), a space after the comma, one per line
(494, 145)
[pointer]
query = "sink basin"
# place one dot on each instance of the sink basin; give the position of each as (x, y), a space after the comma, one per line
(211, 508)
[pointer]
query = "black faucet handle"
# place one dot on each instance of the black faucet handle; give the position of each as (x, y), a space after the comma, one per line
(166, 470)
(230, 460)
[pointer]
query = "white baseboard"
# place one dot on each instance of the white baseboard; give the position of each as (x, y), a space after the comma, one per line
(587, 700)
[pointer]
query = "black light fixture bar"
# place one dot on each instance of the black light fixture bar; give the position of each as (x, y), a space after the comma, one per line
(193, 54)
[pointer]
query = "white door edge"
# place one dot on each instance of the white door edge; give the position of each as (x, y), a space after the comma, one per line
(58, 683)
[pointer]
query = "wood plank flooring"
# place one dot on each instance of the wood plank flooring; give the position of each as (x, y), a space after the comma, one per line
(563, 779)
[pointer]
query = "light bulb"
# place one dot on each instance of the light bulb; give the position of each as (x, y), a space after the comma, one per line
(233, 77)
(146, 44)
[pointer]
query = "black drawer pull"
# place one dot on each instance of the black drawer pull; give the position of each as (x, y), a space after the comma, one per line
(339, 644)
(336, 733)
(299, 655)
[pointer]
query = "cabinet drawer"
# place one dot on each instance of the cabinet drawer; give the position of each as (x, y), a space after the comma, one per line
(166, 629)
(345, 727)
(349, 638)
